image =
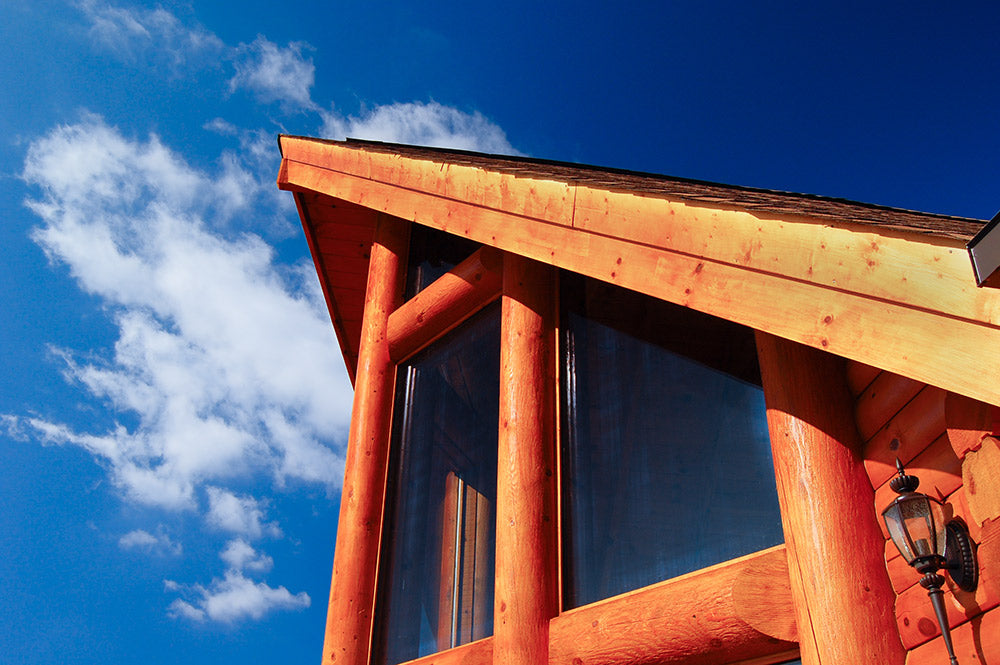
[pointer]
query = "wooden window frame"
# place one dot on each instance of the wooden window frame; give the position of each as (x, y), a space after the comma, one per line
(714, 612)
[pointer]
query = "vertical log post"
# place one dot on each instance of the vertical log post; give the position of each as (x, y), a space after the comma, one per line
(843, 598)
(527, 592)
(352, 591)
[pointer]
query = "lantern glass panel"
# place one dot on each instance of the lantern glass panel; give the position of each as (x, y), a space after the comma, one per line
(916, 525)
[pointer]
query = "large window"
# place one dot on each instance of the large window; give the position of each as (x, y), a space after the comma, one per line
(665, 452)
(432, 254)
(436, 590)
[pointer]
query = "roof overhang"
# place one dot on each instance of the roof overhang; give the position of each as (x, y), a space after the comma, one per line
(889, 288)
(984, 250)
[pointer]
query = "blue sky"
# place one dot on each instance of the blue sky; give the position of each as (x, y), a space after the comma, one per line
(173, 407)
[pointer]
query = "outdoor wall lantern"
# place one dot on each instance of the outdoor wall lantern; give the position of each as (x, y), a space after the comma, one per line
(929, 543)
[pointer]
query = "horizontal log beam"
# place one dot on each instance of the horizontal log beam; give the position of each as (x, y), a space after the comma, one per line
(879, 262)
(452, 298)
(479, 652)
(714, 615)
(954, 353)
(736, 612)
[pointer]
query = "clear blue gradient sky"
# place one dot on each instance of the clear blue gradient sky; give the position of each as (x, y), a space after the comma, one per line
(173, 409)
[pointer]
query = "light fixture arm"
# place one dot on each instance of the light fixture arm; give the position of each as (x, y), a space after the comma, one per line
(933, 583)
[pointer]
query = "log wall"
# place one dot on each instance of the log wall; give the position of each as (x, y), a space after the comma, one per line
(945, 440)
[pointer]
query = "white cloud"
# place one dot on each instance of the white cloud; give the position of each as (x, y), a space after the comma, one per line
(238, 514)
(241, 556)
(221, 126)
(134, 33)
(232, 598)
(275, 74)
(428, 124)
(225, 361)
(144, 541)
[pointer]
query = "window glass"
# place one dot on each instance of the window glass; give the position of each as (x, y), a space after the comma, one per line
(436, 590)
(665, 451)
(432, 254)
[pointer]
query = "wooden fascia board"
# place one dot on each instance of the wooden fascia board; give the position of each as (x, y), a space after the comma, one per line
(906, 304)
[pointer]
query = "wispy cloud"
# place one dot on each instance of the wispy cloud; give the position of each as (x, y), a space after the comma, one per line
(146, 542)
(231, 598)
(285, 75)
(235, 596)
(430, 124)
(241, 556)
(226, 362)
(274, 73)
(133, 34)
(241, 515)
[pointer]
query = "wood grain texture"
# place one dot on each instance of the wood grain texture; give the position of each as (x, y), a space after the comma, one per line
(333, 283)
(968, 421)
(762, 595)
(860, 376)
(958, 505)
(933, 347)
(981, 480)
(882, 400)
(907, 434)
(352, 590)
(881, 263)
(527, 595)
(977, 642)
(479, 652)
(843, 598)
(901, 574)
(453, 297)
(699, 618)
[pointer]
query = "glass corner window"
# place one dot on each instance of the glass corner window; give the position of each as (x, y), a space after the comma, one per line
(666, 458)
(436, 581)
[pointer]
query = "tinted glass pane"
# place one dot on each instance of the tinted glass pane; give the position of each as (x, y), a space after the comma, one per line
(666, 458)
(432, 254)
(437, 584)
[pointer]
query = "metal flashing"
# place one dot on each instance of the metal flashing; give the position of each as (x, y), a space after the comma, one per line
(984, 250)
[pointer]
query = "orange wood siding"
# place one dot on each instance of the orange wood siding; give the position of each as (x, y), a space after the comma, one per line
(933, 432)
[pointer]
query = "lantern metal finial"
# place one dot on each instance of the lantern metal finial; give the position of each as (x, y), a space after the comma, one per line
(902, 482)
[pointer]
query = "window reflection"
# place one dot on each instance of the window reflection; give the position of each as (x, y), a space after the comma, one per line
(665, 452)
(432, 254)
(437, 586)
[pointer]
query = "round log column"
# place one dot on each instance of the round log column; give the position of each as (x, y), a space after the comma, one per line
(843, 598)
(527, 593)
(352, 591)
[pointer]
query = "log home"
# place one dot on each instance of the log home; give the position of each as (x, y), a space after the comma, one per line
(610, 418)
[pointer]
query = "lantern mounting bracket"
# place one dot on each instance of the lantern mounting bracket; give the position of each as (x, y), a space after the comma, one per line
(960, 556)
